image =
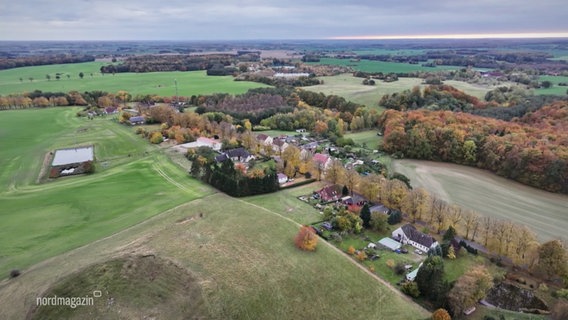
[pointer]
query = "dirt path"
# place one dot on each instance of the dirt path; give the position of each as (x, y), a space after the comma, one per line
(376, 277)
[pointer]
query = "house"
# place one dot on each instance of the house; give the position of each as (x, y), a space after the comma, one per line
(389, 243)
(111, 110)
(264, 139)
(236, 155)
(279, 145)
(203, 142)
(322, 160)
(330, 193)
(282, 178)
(137, 120)
(300, 130)
(408, 234)
(379, 208)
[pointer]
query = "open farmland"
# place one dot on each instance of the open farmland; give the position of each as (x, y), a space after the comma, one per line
(546, 213)
(381, 66)
(555, 89)
(242, 257)
(159, 83)
(132, 182)
(352, 89)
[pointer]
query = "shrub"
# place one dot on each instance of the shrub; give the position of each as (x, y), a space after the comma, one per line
(156, 137)
(562, 293)
(399, 268)
(372, 268)
(441, 314)
(411, 289)
(306, 239)
(351, 250)
(361, 256)
(390, 263)
(15, 273)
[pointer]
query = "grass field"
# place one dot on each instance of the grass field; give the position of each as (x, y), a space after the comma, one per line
(352, 89)
(546, 213)
(381, 66)
(555, 89)
(369, 138)
(159, 83)
(244, 260)
(133, 182)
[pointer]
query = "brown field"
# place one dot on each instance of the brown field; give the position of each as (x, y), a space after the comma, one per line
(546, 213)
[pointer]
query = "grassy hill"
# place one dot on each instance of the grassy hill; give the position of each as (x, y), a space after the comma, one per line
(159, 83)
(132, 182)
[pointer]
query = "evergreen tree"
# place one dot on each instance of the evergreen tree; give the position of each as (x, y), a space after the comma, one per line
(450, 234)
(365, 215)
(345, 191)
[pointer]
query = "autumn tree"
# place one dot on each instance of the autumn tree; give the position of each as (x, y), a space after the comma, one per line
(334, 174)
(416, 203)
(291, 158)
(470, 288)
(306, 239)
(439, 213)
(470, 222)
(378, 221)
(351, 179)
(552, 259)
(441, 314)
(486, 227)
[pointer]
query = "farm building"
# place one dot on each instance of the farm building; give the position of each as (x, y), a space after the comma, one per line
(71, 156)
(389, 243)
(137, 120)
(203, 142)
(408, 234)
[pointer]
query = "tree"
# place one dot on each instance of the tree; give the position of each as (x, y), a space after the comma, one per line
(450, 234)
(441, 314)
(57, 76)
(470, 288)
(430, 278)
(439, 212)
(156, 137)
(81, 75)
(451, 252)
(335, 171)
(306, 239)
(351, 179)
(31, 79)
(552, 259)
(395, 217)
(470, 220)
(365, 215)
(48, 77)
(411, 289)
(21, 79)
(68, 76)
(351, 250)
(378, 221)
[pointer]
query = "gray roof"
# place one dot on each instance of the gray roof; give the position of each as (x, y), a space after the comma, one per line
(69, 156)
(417, 236)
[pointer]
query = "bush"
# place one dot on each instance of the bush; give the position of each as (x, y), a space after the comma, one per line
(15, 273)
(441, 314)
(399, 268)
(562, 293)
(156, 137)
(306, 239)
(351, 250)
(411, 289)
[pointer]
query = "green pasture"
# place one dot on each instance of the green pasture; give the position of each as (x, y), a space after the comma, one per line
(159, 83)
(369, 138)
(132, 182)
(555, 89)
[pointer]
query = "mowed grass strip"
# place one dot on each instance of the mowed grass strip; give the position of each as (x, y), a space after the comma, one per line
(40, 221)
(159, 83)
(250, 268)
(491, 195)
(381, 66)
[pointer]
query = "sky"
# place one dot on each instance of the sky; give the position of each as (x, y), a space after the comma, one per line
(270, 19)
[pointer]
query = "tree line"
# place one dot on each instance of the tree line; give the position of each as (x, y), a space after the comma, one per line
(17, 62)
(533, 150)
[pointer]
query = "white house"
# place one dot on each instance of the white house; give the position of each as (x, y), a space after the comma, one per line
(279, 145)
(264, 139)
(408, 234)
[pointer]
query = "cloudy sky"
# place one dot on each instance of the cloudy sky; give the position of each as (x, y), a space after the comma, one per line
(270, 19)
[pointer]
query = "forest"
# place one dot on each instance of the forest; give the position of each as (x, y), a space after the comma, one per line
(161, 63)
(532, 149)
(27, 61)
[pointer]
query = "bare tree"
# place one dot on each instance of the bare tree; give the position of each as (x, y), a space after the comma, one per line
(470, 219)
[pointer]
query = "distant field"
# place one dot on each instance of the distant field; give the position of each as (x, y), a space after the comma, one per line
(546, 213)
(555, 89)
(159, 83)
(394, 52)
(132, 183)
(381, 66)
(351, 88)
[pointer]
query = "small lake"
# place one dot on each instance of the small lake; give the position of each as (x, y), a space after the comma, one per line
(72, 155)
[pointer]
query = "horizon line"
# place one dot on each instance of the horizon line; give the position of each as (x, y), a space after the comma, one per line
(526, 35)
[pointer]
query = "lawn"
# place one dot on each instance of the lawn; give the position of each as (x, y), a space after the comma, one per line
(159, 83)
(245, 263)
(555, 89)
(369, 138)
(133, 182)
(491, 195)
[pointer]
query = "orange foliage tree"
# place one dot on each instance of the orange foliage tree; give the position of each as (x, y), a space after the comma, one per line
(306, 239)
(441, 314)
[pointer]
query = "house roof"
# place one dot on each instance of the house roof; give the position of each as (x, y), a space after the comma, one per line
(321, 158)
(417, 236)
(279, 142)
(331, 193)
(137, 119)
(238, 153)
(379, 208)
(390, 243)
(207, 140)
(282, 176)
(221, 158)
(262, 137)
